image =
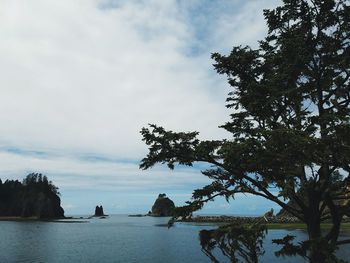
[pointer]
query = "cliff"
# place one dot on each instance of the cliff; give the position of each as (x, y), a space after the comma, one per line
(99, 211)
(34, 197)
(163, 206)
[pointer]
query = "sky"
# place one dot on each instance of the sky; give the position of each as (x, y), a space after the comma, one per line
(80, 78)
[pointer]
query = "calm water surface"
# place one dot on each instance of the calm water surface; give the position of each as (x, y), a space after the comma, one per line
(116, 239)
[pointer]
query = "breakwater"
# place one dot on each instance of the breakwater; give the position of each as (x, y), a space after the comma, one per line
(241, 219)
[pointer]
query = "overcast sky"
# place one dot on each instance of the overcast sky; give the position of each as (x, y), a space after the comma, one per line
(80, 78)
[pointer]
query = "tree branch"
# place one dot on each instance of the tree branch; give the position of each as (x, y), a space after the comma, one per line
(343, 242)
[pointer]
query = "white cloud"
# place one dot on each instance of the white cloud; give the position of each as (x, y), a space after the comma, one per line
(83, 77)
(79, 78)
(73, 173)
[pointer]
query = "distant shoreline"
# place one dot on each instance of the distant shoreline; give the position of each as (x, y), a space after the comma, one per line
(290, 223)
(240, 219)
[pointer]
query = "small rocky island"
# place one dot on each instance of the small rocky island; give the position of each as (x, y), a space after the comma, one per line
(163, 206)
(99, 211)
(35, 197)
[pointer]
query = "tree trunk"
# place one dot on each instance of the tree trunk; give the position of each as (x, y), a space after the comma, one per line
(317, 254)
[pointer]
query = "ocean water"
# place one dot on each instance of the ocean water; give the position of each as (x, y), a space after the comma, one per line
(117, 238)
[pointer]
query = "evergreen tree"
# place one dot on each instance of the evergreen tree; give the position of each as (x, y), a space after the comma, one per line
(290, 124)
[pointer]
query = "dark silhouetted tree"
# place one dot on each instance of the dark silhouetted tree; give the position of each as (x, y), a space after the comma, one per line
(289, 123)
(34, 197)
(239, 243)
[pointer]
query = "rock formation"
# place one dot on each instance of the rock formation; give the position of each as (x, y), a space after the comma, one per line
(99, 211)
(163, 206)
(35, 197)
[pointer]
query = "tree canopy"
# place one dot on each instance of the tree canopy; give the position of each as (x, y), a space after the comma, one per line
(36, 196)
(290, 122)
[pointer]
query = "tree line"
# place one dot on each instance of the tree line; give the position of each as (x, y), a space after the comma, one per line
(35, 196)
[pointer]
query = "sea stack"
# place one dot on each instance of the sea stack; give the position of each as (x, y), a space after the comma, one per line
(99, 211)
(163, 206)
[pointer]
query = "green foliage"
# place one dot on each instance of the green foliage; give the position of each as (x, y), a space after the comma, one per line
(39, 182)
(325, 249)
(289, 249)
(290, 121)
(34, 197)
(239, 243)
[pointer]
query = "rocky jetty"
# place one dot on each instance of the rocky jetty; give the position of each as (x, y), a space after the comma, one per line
(137, 215)
(240, 220)
(99, 211)
(163, 206)
(34, 197)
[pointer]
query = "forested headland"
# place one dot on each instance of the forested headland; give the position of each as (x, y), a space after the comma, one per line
(35, 196)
